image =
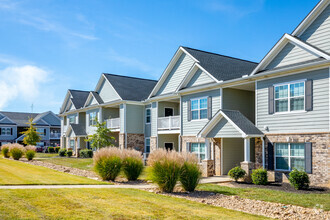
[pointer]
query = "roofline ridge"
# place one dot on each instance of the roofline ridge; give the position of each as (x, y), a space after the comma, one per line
(20, 112)
(133, 77)
(77, 90)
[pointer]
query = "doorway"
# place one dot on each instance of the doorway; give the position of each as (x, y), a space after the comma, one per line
(169, 112)
(169, 146)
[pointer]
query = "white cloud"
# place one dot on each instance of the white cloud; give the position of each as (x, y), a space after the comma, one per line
(21, 83)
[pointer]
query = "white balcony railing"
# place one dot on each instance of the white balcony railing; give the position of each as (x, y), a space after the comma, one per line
(64, 128)
(169, 123)
(113, 123)
(55, 135)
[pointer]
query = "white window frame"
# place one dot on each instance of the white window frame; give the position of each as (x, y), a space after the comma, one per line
(198, 109)
(41, 133)
(289, 156)
(199, 150)
(289, 97)
(70, 117)
(73, 147)
(145, 145)
(92, 120)
(146, 116)
(6, 133)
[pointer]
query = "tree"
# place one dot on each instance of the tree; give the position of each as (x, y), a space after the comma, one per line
(102, 136)
(31, 134)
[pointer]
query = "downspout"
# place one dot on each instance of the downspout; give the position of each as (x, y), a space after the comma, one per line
(263, 152)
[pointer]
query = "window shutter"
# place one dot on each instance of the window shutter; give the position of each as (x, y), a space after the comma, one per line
(11, 131)
(309, 95)
(308, 157)
(188, 147)
(189, 110)
(45, 144)
(44, 131)
(271, 100)
(0, 131)
(270, 156)
(209, 107)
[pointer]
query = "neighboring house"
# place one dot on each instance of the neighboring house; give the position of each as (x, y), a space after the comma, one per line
(227, 111)
(12, 124)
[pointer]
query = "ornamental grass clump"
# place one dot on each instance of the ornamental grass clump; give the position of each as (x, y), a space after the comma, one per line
(132, 164)
(108, 162)
(30, 152)
(259, 177)
(165, 167)
(190, 173)
(236, 173)
(5, 150)
(16, 151)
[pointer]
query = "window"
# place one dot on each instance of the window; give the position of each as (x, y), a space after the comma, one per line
(199, 108)
(290, 97)
(72, 144)
(199, 150)
(289, 156)
(92, 118)
(72, 119)
(40, 144)
(147, 145)
(41, 131)
(148, 115)
(6, 131)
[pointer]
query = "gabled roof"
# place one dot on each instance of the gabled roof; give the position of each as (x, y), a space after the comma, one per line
(131, 88)
(77, 129)
(94, 95)
(22, 118)
(236, 119)
(6, 121)
(78, 97)
(39, 119)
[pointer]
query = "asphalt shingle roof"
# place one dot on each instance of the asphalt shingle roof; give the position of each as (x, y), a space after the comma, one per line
(78, 130)
(220, 66)
(22, 118)
(79, 97)
(97, 97)
(131, 88)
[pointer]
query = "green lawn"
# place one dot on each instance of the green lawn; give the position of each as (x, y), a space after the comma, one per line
(105, 204)
(306, 200)
(80, 163)
(18, 173)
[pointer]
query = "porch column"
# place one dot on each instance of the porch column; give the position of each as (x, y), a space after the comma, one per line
(246, 164)
(207, 163)
(246, 149)
(208, 150)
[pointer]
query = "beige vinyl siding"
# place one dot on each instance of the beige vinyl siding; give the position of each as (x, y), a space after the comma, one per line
(163, 105)
(200, 78)
(92, 101)
(318, 33)
(122, 118)
(316, 120)
(290, 54)
(82, 119)
(168, 138)
(241, 100)
(191, 128)
(154, 119)
(176, 75)
(82, 143)
(106, 92)
(135, 120)
(109, 113)
(224, 129)
(233, 153)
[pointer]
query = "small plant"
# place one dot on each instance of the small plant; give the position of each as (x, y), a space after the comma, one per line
(62, 152)
(30, 152)
(259, 177)
(57, 149)
(51, 149)
(5, 150)
(86, 153)
(236, 173)
(16, 151)
(108, 162)
(190, 173)
(132, 164)
(299, 179)
(69, 153)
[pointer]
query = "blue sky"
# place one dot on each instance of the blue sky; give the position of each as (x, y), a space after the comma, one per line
(49, 46)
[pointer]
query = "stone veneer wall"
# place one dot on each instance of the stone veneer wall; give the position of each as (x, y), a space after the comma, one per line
(153, 143)
(135, 141)
(258, 152)
(320, 153)
(121, 141)
(190, 139)
(217, 156)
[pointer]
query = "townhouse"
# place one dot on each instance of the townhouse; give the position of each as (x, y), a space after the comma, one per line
(12, 124)
(273, 114)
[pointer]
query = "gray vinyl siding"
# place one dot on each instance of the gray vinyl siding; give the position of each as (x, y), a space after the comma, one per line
(233, 153)
(91, 129)
(241, 100)
(176, 75)
(316, 120)
(199, 78)
(107, 93)
(318, 32)
(168, 138)
(147, 127)
(9, 137)
(135, 120)
(163, 105)
(122, 118)
(191, 128)
(224, 129)
(51, 119)
(45, 137)
(290, 54)
(154, 119)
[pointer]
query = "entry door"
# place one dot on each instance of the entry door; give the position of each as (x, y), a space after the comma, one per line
(169, 112)
(169, 146)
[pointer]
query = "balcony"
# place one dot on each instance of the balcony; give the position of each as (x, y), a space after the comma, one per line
(113, 123)
(171, 123)
(55, 135)
(64, 128)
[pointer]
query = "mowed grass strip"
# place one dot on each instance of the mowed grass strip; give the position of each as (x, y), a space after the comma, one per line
(80, 163)
(105, 204)
(311, 200)
(18, 173)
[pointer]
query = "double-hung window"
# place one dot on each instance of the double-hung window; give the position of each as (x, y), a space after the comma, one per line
(148, 115)
(92, 118)
(72, 144)
(6, 131)
(289, 156)
(199, 150)
(147, 145)
(72, 119)
(290, 97)
(199, 108)
(41, 131)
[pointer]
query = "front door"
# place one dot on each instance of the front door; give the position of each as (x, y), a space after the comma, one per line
(169, 146)
(169, 112)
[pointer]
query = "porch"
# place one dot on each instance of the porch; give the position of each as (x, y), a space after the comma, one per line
(168, 117)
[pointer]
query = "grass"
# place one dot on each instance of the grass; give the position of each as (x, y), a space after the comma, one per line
(310, 200)
(105, 204)
(44, 155)
(18, 173)
(80, 163)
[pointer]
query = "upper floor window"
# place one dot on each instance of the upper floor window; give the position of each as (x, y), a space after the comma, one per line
(41, 131)
(72, 119)
(290, 97)
(289, 156)
(6, 131)
(92, 118)
(148, 115)
(199, 108)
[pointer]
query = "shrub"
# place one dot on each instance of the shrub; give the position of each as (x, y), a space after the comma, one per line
(165, 168)
(236, 173)
(259, 176)
(190, 173)
(51, 149)
(30, 154)
(16, 151)
(86, 153)
(57, 149)
(132, 164)
(5, 150)
(69, 153)
(108, 162)
(62, 152)
(299, 179)
(31, 147)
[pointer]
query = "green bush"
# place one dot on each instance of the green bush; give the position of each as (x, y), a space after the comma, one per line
(57, 149)
(236, 173)
(132, 168)
(30, 154)
(62, 152)
(69, 153)
(190, 176)
(16, 151)
(5, 151)
(259, 177)
(86, 153)
(51, 149)
(299, 179)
